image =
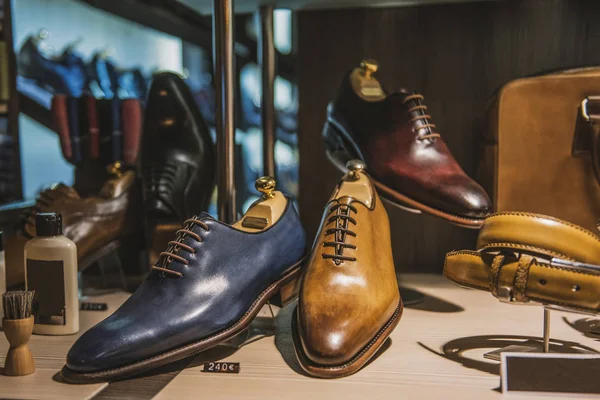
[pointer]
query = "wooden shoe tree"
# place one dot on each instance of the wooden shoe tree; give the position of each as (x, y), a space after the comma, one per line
(355, 184)
(364, 84)
(265, 211)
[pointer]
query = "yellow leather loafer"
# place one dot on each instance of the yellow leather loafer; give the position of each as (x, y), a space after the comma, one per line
(349, 299)
(523, 257)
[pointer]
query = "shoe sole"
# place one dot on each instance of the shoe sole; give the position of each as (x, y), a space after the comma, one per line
(287, 288)
(356, 363)
(340, 155)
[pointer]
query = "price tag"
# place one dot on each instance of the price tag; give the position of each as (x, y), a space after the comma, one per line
(551, 374)
(222, 367)
(93, 306)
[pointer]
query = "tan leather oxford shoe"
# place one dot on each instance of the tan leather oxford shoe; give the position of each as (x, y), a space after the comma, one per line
(349, 298)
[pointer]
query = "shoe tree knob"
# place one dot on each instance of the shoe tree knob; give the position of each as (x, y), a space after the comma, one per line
(115, 169)
(369, 67)
(364, 83)
(118, 182)
(266, 210)
(42, 35)
(266, 186)
(355, 167)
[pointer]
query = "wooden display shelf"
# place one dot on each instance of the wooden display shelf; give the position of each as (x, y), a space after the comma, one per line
(435, 352)
(248, 6)
(177, 18)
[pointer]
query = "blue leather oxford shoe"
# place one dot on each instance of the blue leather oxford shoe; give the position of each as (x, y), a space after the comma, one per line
(205, 289)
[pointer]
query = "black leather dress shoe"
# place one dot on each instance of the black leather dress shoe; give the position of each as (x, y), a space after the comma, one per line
(204, 290)
(177, 159)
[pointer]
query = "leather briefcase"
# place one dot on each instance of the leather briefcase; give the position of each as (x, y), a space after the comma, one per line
(540, 145)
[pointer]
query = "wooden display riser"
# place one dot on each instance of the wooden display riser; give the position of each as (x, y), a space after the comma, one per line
(414, 364)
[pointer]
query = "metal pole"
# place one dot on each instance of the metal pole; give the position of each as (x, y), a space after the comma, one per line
(267, 63)
(225, 125)
(546, 330)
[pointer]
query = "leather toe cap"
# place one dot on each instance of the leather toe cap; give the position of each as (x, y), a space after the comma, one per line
(107, 345)
(465, 197)
(89, 354)
(331, 342)
(95, 350)
(330, 348)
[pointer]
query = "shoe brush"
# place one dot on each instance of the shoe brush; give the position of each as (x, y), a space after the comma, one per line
(18, 326)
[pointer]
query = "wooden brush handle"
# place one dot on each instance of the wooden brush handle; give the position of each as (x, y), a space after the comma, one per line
(19, 360)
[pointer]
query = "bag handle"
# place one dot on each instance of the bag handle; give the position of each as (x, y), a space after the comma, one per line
(586, 141)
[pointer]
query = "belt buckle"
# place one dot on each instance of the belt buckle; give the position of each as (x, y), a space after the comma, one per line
(576, 266)
(505, 294)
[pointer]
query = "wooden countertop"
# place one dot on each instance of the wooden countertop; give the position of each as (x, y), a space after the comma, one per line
(435, 352)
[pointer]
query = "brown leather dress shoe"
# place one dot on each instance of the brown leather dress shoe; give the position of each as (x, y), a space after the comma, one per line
(407, 159)
(349, 300)
(98, 225)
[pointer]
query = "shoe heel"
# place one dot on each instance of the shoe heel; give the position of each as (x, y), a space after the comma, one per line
(332, 138)
(338, 152)
(287, 293)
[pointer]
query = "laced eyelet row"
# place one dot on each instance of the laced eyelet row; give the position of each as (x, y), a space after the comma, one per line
(341, 230)
(177, 245)
(421, 109)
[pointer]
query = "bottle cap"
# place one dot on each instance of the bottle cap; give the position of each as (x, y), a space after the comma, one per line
(48, 224)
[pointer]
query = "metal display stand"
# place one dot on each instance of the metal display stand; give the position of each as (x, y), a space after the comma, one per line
(267, 65)
(224, 112)
(534, 346)
(223, 57)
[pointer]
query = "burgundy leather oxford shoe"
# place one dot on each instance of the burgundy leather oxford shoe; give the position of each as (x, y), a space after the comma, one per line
(407, 159)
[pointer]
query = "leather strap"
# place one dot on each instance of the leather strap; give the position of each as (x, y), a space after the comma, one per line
(495, 273)
(522, 277)
(516, 270)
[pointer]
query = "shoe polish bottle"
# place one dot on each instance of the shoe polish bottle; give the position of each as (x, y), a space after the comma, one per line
(2, 273)
(51, 271)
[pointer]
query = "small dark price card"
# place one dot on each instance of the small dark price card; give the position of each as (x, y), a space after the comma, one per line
(93, 306)
(551, 374)
(222, 367)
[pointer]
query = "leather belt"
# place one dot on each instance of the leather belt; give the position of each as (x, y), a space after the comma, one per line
(523, 257)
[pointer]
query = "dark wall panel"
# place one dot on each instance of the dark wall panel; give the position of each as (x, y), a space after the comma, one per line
(457, 55)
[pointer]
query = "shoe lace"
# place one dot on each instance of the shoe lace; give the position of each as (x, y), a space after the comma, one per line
(161, 177)
(342, 220)
(422, 115)
(177, 245)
